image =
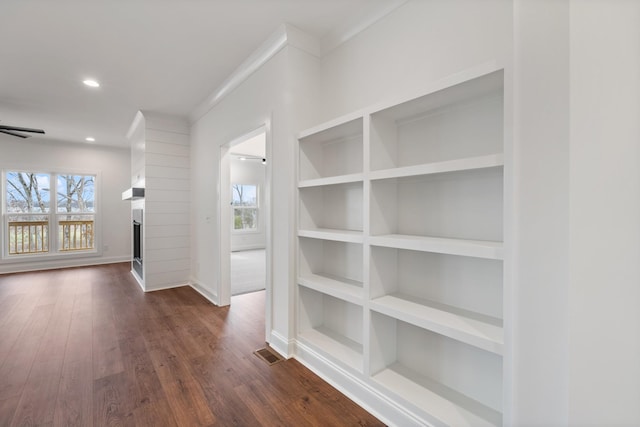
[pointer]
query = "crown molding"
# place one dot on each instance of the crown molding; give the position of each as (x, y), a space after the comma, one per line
(139, 117)
(286, 34)
(350, 28)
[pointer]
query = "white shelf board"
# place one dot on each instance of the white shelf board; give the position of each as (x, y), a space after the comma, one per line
(338, 287)
(473, 248)
(334, 346)
(435, 318)
(332, 180)
(467, 84)
(443, 404)
(348, 236)
(340, 127)
(457, 165)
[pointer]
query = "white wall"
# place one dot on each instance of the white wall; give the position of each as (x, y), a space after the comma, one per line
(578, 202)
(604, 288)
(418, 43)
(113, 166)
(250, 172)
(245, 109)
(268, 97)
(541, 168)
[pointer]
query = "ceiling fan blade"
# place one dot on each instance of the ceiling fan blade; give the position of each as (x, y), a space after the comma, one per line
(8, 132)
(19, 129)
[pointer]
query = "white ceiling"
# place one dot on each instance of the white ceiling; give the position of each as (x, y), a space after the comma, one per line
(164, 56)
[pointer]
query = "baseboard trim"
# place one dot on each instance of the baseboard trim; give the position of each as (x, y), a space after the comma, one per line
(202, 290)
(357, 388)
(56, 264)
(137, 279)
(280, 344)
(165, 287)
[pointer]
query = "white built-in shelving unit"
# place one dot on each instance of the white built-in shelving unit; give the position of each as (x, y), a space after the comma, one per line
(400, 250)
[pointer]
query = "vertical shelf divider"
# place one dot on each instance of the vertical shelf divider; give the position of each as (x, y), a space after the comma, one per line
(366, 258)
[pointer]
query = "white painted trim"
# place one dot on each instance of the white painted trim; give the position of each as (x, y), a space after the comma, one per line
(257, 59)
(301, 40)
(202, 290)
(139, 117)
(268, 225)
(281, 345)
(164, 287)
(343, 33)
(386, 410)
(137, 279)
(61, 263)
(286, 34)
(223, 288)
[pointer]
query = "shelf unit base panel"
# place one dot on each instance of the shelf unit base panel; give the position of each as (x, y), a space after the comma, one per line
(445, 406)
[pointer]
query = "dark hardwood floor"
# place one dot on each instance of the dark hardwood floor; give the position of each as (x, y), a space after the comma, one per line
(86, 347)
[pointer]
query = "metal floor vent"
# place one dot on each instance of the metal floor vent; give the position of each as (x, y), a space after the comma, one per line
(268, 356)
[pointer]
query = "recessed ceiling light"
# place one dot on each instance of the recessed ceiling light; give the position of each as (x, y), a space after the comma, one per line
(90, 139)
(243, 158)
(91, 83)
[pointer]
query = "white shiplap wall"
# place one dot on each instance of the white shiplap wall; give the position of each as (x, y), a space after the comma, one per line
(167, 202)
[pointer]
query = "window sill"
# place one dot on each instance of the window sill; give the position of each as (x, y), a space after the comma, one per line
(245, 231)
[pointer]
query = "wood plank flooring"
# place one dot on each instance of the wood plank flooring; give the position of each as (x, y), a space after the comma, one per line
(86, 347)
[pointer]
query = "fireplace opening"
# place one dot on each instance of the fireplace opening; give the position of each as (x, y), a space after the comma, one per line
(137, 241)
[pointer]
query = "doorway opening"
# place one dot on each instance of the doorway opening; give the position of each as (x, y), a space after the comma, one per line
(245, 218)
(248, 160)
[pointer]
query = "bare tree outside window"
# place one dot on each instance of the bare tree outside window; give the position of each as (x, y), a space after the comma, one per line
(76, 206)
(27, 192)
(27, 206)
(75, 193)
(31, 209)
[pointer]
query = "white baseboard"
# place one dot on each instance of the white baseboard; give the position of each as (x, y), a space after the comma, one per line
(357, 388)
(58, 263)
(281, 345)
(202, 290)
(138, 279)
(164, 287)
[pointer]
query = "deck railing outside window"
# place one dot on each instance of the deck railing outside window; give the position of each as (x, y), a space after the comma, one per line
(75, 235)
(31, 237)
(28, 237)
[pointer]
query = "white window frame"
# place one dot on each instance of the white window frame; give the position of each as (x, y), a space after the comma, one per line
(52, 215)
(256, 207)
